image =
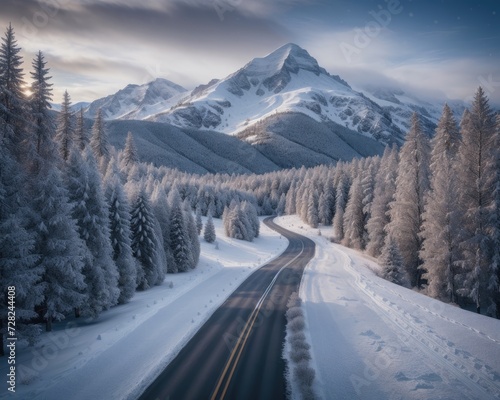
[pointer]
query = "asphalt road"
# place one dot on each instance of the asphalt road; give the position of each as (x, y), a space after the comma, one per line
(236, 354)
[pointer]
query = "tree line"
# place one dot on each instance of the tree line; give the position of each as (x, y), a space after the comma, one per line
(78, 234)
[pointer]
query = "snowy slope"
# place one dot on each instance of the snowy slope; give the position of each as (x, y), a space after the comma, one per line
(401, 105)
(375, 340)
(119, 355)
(287, 80)
(138, 101)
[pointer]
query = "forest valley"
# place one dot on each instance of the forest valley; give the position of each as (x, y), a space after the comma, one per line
(83, 226)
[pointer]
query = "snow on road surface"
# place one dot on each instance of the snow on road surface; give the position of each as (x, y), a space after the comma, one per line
(373, 340)
(120, 354)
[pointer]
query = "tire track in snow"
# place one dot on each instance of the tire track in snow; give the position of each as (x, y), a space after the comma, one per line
(479, 384)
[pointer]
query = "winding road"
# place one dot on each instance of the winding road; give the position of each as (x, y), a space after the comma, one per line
(237, 353)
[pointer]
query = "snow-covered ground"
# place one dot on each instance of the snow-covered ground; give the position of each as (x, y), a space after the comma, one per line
(118, 355)
(375, 340)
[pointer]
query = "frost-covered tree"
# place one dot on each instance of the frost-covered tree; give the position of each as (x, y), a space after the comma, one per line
(120, 235)
(130, 152)
(12, 98)
(41, 95)
(253, 219)
(199, 222)
(99, 139)
(91, 212)
(145, 241)
(82, 138)
(441, 226)
(385, 187)
(326, 204)
(341, 196)
(209, 233)
(392, 263)
(412, 184)
(353, 217)
(193, 234)
(59, 245)
(18, 260)
(161, 210)
(65, 131)
(179, 235)
(475, 167)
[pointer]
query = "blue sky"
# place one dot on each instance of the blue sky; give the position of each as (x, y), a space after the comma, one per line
(439, 48)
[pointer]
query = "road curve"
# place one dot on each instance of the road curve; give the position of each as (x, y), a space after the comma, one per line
(236, 354)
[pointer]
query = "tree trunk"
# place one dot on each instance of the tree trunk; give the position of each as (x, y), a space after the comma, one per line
(78, 312)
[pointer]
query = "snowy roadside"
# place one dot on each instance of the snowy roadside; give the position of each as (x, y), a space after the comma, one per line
(118, 355)
(371, 339)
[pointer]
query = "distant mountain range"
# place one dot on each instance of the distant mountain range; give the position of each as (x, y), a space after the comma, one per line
(284, 106)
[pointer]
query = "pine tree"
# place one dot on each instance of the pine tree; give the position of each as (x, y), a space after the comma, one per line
(92, 215)
(353, 217)
(145, 241)
(385, 187)
(474, 166)
(18, 260)
(406, 210)
(81, 139)
(441, 228)
(65, 128)
(120, 235)
(12, 98)
(326, 204)
(130, 152)
(193, 234)
(99, 140)
(340, 204)
(392, 263)
(57, 242)
(179, 236)
(161, 210)
(209, 233)
(199, 222)
(41, 95)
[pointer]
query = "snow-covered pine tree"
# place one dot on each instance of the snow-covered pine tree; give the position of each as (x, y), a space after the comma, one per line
(392, 263)
(91, 212)
(385, 187)
(441, 227)
(65, 127)
(99, 139)
(120, 235)
(199, 222)
(41, 95)
(144, 240)
(280, 210)
(161, 210)
(130, 151)
(58, 243)
(326, 204)
(341, 196)
(179, 236)
(193, 234)
(412, 184)
(18, 261)
(253, 219)
(353, 217)
(474, 166)
(209, 233)
(82, 138)
(12, 98)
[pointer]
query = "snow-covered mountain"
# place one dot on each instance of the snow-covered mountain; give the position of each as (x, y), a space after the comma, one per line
(285, 104)
(287, 80)
(138, 101)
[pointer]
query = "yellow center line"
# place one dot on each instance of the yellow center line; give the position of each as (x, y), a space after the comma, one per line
(242, 339)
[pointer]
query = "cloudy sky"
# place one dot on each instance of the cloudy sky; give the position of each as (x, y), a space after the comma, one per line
(443, 48)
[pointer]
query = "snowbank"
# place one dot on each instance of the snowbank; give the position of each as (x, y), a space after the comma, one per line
(371, 339)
